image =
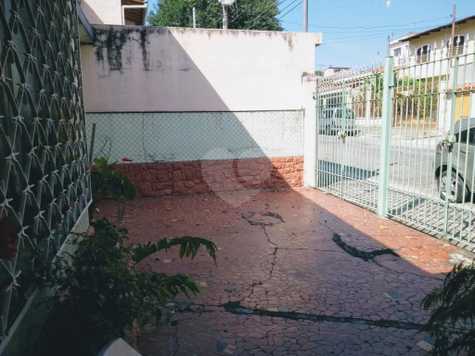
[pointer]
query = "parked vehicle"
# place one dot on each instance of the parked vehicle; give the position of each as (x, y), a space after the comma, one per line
(338, 120)
(461, 180)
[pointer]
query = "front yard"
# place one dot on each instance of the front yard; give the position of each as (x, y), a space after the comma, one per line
(298, 273)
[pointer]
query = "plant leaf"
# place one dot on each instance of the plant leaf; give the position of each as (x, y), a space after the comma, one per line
(189, 246)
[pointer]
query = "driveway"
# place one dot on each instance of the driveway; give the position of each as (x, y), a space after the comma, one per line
(298, 273)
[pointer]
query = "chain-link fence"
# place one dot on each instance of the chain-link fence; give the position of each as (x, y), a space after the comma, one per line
(193, 136)
(44, 181)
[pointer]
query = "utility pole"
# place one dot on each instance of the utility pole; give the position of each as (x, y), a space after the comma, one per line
(225, 17)
(194, 17)
(225, 4)
(452, 40)
(305, 15)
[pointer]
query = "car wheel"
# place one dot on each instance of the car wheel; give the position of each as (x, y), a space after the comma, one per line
(456, 187)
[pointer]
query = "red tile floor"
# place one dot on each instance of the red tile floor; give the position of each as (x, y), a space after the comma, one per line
(298, 273)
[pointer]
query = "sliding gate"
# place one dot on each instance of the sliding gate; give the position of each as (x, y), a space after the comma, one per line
(400, 140)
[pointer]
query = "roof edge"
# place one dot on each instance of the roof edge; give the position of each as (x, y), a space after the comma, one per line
(316, 35)
(438, 28)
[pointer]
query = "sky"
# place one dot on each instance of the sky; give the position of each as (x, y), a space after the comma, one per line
(355, 32)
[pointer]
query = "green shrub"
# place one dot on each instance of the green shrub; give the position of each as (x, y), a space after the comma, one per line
(108, 183)
(101, 292)
(452, 322)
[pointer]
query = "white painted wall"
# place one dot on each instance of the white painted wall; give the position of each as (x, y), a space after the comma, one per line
(176, 69)
(310, 143)
(103, 11)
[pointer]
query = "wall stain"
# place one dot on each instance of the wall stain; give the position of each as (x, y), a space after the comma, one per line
(144, 43)
(110, 41)
(109, 45)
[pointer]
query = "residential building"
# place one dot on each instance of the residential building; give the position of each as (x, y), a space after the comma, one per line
(332, 70)
(433, 43)
(115, 12)
(400, 49)
(433, 55)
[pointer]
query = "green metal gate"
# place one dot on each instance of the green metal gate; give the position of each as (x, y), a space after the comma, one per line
(400, 140)
(44, 180)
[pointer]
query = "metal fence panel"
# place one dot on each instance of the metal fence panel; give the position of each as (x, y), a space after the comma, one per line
(431, 180)
(349, 135)
(431, 148)
(44, 181)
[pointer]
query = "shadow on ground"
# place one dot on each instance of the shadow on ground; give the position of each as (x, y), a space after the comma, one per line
(298, 273)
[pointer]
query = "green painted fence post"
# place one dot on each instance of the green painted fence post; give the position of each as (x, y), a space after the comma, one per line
(453, 76)
(388, 93)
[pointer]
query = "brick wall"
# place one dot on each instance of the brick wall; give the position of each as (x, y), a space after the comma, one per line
(171, 178)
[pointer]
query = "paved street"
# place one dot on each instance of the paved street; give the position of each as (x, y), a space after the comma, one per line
(412, 161)
(286, 281)
(350, 169)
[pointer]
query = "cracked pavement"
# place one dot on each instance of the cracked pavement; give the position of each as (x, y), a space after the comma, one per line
(298, 273)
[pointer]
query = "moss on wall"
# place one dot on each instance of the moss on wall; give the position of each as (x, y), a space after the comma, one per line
(109, 44)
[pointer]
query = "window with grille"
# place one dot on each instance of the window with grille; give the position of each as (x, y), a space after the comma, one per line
(44, 171)
(423, 54)
(457, 45)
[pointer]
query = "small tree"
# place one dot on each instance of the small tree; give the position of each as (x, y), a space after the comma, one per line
(244, 14)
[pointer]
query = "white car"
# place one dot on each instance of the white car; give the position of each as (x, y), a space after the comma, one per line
(333, 121)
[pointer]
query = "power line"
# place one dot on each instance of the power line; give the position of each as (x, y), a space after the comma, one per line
(374, 27)
(346, 40)
(363, 34)
(264, 12)
(279, 3)
(297, 3)
(288, 5)
(396, 28)
(343, 39)
(375, 33)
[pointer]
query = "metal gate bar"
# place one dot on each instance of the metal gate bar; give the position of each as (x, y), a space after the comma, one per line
(404, 146)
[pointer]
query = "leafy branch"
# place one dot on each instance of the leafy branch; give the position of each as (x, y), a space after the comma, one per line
(102, 288)
(108, 183)
(452, 322)
(189, 247)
